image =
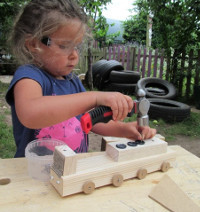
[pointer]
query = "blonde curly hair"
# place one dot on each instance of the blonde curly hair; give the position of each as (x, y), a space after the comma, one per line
(41, 18)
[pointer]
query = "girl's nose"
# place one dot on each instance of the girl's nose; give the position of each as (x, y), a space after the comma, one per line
(74, 54)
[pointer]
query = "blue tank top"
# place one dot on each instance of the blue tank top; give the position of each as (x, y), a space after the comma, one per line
(69, 131)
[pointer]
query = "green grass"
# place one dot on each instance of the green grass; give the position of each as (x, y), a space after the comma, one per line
(7, 144)
(189, 127)
(3, 87)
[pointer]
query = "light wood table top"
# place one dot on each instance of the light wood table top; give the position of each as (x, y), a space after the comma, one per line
(26, 194)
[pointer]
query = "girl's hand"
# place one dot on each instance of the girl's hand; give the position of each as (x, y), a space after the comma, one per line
(120, 104)
(133, 131)
(147, 132)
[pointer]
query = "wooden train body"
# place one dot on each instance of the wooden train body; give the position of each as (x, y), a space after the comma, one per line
(123, 159)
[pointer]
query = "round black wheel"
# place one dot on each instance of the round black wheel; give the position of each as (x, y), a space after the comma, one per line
(103, 75)
(168, 110)
(120, 87)
(149, 83)
(124, 76)
(96, 67)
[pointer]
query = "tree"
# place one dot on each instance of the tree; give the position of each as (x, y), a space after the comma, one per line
(135, 28)
(97, 23)
(176, 26)
(8, 10)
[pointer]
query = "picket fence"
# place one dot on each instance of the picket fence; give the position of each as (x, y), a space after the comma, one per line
(180, 69)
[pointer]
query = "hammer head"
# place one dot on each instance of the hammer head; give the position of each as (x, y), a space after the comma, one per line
(143, 108)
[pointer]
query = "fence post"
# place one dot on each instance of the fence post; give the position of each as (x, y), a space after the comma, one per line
(189, 75)
(161, 63)
(123, 55)
(128, 58)
(144, 62)
(155, 63)
(138, 60)
(196, 80)
(168, 65)
(149, 63)
(180, 87)
(118, 53)
(133, 50)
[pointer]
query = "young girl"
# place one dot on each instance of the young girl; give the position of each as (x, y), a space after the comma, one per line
(47, 100)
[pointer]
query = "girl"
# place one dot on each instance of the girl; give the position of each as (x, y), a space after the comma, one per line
(47, 100)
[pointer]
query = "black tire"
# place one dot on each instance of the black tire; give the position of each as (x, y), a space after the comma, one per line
(157, 91)
(153, 82)
(168, 110)
(122, 88)
(103, 75)
(96, 67)
(124, 76)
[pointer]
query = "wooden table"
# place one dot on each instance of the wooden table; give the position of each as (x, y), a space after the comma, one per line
(26, 194)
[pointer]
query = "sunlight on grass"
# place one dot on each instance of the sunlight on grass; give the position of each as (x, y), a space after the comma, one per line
(7, 144)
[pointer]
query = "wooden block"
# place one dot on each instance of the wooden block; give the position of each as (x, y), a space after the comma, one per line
(64, 160)
(108, 139)
(160, 137)
(169, 195)
(151, 147)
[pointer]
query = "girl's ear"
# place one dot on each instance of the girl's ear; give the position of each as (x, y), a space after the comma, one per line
(32, 45)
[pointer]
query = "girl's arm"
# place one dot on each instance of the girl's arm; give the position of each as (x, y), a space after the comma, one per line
(120, 129)
(37, 111)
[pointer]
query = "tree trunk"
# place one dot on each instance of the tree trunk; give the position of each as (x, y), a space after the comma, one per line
(90, 77)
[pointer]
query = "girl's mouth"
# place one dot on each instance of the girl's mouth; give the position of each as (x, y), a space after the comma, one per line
(70, 66)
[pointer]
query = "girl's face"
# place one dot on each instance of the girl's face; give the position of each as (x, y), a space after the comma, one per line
(60, 54)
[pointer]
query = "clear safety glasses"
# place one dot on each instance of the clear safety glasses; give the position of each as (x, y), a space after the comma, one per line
(66, 48)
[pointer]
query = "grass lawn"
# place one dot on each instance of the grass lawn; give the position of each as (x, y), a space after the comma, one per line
(7, 144)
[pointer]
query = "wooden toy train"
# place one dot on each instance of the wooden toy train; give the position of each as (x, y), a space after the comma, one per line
(123, 159)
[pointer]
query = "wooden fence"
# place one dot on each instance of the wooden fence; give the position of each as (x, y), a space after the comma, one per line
(180, 69)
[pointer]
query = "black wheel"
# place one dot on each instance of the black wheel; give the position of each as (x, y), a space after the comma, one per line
(103, 75)
(96, 67)
(157, 91)
(120, 87)
(168, 110)
(124, 76)
(152, 82)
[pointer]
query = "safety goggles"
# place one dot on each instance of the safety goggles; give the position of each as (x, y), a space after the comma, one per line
(66, 48)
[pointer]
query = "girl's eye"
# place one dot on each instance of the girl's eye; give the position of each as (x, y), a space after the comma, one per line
(63, 47)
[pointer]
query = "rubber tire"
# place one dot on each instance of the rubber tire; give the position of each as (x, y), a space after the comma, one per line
(157, 83)
(168, 110)
(124, 76)
(102, 76)
(96, 67)
(157, 91)
(122, 88)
